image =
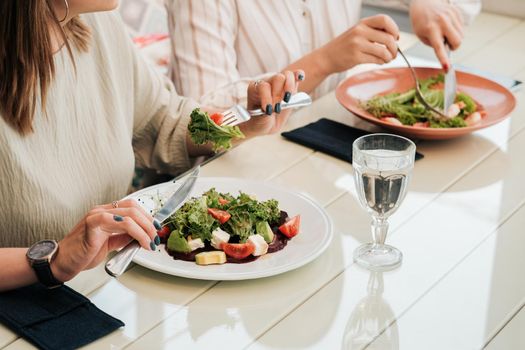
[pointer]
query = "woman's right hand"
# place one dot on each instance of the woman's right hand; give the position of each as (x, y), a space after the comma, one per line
(101, 231)
(372, 40)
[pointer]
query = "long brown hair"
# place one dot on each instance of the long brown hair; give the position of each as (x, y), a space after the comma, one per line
(26, 57)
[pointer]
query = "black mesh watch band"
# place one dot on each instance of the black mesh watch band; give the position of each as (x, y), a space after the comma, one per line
(45, 275)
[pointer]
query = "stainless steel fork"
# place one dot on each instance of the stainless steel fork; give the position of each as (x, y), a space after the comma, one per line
(419, 95)
(238, 114)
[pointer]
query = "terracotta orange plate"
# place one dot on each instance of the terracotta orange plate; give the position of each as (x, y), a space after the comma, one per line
(495, 99)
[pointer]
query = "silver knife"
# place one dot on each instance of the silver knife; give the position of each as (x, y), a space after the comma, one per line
(450, 84)
(119, 263)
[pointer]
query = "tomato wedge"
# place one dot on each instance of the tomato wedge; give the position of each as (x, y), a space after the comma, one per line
(220, 215)
(238, 250)
(291, 227)
(164, 232)
(217, 118)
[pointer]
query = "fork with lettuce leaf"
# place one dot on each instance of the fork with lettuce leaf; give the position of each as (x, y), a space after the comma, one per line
(204, 129)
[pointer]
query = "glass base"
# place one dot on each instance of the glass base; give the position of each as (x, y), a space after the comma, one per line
(379, 257)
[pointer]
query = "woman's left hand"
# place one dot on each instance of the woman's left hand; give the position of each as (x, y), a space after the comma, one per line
(268, 95)
(436, 22)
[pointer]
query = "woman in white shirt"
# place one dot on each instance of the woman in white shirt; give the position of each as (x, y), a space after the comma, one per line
(218, 47)
(78, 109)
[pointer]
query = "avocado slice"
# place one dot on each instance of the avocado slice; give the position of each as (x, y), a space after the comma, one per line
(178, 243)
(263, 228)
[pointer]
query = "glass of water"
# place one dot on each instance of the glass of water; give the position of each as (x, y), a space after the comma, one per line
(383, 166)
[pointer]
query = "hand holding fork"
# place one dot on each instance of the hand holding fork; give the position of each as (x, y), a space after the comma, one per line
(271, 97)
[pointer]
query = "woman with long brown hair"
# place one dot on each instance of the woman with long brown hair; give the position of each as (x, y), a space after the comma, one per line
(79, 109)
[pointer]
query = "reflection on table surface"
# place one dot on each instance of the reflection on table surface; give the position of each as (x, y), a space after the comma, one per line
(372, 316)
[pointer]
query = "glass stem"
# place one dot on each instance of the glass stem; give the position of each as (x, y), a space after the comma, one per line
(379, 230)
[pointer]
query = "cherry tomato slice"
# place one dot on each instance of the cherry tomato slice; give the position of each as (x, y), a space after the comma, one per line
(220, 215)
(238, 250)
(291, 227)
(164, 232)
(217, 118)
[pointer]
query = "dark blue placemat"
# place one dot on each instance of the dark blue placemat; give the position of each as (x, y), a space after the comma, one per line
(329, 137)
(54, 318)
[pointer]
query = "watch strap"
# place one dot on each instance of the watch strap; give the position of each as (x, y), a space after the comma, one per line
(45, 275)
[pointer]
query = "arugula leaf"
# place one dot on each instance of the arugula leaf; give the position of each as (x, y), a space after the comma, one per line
(193, 219)
(203, 130)
(213, 199)
(261, 211)
(241, 224)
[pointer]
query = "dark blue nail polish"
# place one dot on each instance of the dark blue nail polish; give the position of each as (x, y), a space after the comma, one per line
(287, 96)
(118, 218)
(278, 107)
(157, 240)
(300, 76)
(153, 246)
(269, 109)
(157, 225)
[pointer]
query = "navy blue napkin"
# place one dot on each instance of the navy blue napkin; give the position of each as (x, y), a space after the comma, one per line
(330, 137)
(57, 318)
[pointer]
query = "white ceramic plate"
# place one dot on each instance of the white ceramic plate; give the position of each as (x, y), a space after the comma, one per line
(315, 234)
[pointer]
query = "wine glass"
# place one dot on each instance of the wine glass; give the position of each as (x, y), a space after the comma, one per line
(383, 166)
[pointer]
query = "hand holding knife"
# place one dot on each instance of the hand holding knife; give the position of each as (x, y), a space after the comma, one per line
(118, 263)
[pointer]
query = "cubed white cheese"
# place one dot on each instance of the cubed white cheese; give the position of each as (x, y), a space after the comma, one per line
(195, 243)
(261, 247)
(218, 237)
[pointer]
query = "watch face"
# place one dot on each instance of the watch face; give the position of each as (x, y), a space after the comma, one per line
(41, 249)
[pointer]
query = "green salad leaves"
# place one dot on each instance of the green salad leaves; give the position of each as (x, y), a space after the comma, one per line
(409, 111)
(203, 130)
(194, 217)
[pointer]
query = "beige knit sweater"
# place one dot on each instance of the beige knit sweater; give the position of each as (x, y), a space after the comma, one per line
(112, 113)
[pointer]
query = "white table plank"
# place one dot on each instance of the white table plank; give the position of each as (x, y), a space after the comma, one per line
(506, 55)
(471, 303)
(487, 27)
(512, 336)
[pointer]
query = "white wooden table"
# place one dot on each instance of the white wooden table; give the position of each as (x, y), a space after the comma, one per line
(460, 228)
